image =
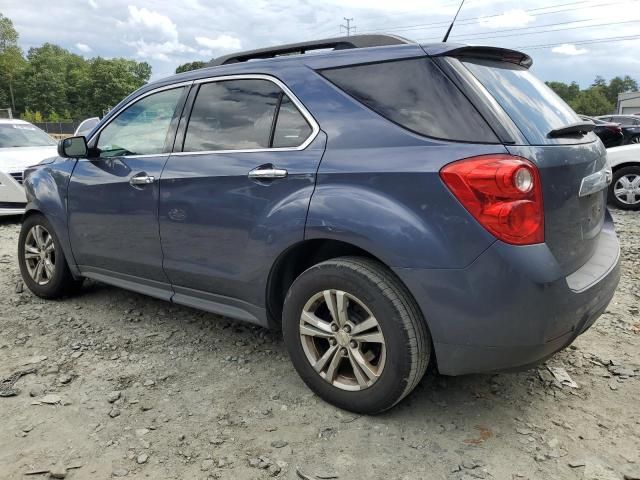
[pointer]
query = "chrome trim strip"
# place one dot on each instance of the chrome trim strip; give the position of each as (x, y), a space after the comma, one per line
(595, 182)
(315, 128)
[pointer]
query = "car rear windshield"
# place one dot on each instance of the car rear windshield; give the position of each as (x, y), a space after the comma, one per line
(532, 106)
(416, 95)
(23, 135)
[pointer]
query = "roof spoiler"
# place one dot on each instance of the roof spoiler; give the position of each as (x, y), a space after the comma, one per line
(483, 53)
(337, 43)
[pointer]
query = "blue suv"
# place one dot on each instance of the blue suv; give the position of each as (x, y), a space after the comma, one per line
(389, 205)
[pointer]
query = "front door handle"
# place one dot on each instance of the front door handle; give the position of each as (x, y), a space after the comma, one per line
(141, 179)
(267, 173)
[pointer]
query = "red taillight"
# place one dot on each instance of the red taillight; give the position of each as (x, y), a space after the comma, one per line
(503, 193)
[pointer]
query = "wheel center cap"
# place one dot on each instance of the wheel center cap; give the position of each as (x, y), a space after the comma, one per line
(342, 338)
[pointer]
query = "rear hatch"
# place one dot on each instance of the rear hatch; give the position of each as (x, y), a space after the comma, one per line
(564, 152)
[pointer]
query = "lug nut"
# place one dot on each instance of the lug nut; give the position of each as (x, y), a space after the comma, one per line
(332, 341)
(344, 352)
(347, 328)
(334, 327)
(353, 344)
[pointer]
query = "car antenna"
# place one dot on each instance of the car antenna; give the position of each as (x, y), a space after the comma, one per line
(446, 35)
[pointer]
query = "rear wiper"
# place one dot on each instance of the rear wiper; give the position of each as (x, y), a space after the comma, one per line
(579, 127)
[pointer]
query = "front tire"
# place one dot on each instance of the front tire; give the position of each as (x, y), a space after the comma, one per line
(355, 334)
(43, 265)
(624, 191)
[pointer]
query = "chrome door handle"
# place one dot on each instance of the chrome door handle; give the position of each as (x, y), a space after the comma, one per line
(141, 180)
(267, 173)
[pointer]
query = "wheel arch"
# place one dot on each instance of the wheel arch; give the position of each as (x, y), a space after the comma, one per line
(303, 255)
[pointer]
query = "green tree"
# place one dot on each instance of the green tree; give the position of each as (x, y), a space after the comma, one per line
(592, 102)
(108, 81)
(619, 85)
(186, 67)
(11, 62)
(46, 78)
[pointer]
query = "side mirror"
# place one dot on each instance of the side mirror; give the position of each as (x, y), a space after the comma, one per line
(73, 147)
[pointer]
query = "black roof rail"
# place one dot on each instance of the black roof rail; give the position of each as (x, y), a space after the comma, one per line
(337, 43)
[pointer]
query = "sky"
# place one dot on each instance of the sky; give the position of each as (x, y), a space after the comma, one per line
(567, 39)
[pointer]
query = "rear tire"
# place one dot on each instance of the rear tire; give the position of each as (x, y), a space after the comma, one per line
(43, 265)
(624, 191)
(377, 363)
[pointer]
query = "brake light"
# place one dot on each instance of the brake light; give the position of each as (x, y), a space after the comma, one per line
(615, 128)
(503, 193)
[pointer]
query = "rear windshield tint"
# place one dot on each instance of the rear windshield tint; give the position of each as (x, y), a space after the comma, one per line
(532, 106)
(416, 95)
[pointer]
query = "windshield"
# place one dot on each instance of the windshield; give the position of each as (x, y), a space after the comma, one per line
(23, 135)
(532, 106)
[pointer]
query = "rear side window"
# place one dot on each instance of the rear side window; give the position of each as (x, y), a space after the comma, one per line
(232, 115)
(291, 127)
(416, 95)
(533, 107)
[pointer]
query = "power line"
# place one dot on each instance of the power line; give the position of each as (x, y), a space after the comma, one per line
(484, 36)
(472, 20)
(581, 42)
(348, 26)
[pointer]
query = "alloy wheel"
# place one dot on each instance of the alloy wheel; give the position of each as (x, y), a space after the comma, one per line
(627, 189)
(40, 255)
(342, 340)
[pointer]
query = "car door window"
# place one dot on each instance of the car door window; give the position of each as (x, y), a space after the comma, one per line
(141, 129)
(292, 129)
(232, 115)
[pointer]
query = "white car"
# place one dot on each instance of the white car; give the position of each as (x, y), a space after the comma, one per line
(21, 145)
(624, 191)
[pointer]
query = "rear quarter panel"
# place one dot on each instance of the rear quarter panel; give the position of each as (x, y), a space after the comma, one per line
(378, 187)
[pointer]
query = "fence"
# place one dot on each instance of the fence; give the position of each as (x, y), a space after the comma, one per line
(58, 128)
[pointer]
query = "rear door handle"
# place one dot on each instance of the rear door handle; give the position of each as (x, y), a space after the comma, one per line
(141, 179)
(267, 173)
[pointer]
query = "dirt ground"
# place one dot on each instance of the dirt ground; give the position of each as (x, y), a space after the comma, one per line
(127, 386)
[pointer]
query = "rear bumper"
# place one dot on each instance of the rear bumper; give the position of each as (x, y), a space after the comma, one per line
(512, 307)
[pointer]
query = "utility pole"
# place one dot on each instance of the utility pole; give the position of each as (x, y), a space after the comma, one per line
(348, 26)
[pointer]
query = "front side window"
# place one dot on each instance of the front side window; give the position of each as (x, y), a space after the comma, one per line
(141, 129)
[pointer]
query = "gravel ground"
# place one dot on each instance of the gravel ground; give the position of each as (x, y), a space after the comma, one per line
(125, 385)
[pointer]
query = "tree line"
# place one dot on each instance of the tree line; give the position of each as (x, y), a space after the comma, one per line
(50, 83)
(600, 98)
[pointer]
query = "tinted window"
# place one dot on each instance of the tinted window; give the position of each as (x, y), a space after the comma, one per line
(23, 135)
(140, 129)
(291, 127)
(532, 106)
(232, 115)
(416, 95)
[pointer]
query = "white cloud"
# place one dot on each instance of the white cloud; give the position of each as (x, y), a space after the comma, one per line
(221, 42)
(512, 18)
(158, 51)
(151, 21)
(83, 47)
(93, 4)
(569, 49)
